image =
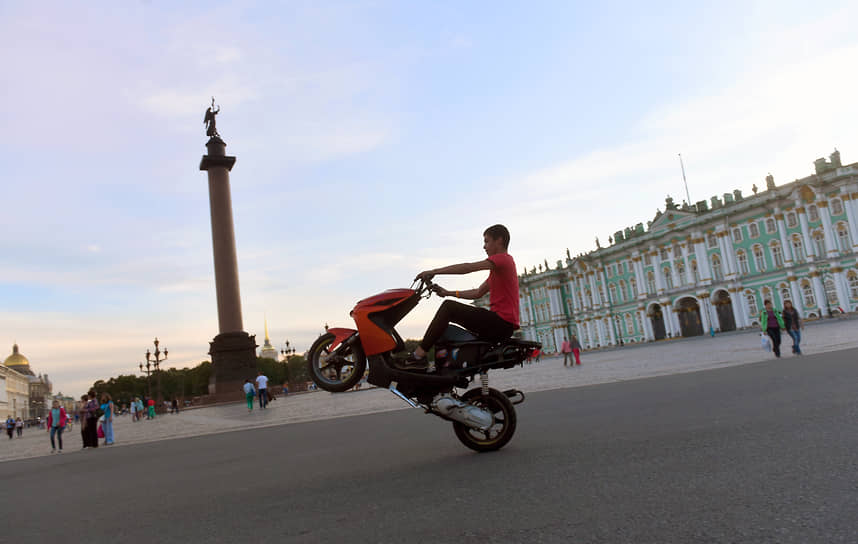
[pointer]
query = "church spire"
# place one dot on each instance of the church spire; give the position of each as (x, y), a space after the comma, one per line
(267, 341)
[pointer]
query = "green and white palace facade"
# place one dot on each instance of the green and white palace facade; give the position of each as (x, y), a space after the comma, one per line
(706, 268)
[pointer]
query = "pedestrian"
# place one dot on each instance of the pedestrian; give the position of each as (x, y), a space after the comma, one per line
(134, 409)
(91, 420)
(139, 408)
(174, 408)
(576, 349)
(82, 415)
(10, 426)
(794, 326)
(57, 420)
(262, 389)
(285, 389)
(109, 410)
(249, 393)
(772, 322)
(151, 404)
(19, 426)
(566, 349)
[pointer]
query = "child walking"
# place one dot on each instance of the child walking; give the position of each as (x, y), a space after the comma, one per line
(249, 393)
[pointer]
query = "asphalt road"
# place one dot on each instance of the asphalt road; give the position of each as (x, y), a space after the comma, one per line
(765, 452)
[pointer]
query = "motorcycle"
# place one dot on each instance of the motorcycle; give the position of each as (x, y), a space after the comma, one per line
(483, 418)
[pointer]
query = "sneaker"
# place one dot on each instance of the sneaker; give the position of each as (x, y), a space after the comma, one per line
(53, 452)
(412, 363)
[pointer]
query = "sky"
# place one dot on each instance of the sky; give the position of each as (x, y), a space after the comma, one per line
(374, 140)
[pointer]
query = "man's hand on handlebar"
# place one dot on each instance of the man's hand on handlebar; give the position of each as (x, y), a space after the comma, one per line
(441, 292)
(426, 275)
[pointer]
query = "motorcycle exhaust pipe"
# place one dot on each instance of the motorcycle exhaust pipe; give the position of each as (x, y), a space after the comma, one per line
(514, 395)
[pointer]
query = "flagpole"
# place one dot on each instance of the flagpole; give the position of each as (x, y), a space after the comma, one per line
(684, 180)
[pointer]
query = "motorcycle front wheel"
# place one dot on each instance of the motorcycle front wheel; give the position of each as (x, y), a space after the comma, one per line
(339, 371)
(501, 430)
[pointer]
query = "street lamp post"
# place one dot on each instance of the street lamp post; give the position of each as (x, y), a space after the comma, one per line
(153, 364)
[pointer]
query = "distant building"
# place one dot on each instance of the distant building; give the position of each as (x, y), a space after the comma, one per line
(268, 351)
(706, 267)
(14, 393)
(37, 391)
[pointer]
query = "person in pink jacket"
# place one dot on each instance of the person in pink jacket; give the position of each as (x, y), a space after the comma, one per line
(57, 420)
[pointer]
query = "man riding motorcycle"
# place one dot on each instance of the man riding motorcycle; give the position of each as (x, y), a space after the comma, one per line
(495, 324)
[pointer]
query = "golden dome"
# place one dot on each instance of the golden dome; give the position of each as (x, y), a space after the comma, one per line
(17, 361)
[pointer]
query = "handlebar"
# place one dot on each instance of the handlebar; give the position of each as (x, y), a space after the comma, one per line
(424, 287)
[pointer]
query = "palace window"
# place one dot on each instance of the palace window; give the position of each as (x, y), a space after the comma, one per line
(812, 213)
(612, 290)
(663, 254)
(785, 293)
(650, 282)
(680, 270)
(819, 242)
(711, 241)
(853, 284)
(767, 295)
(716, 268)
(668, 278)
(759, 259)
(830, 291)
(742, 260)
(798, 249)
(754, 230)
(589, 298)
(777, 255)
(633, 288)
(677, 253)
(694, 271)
(647, 259)
(836, 207)
(753, 310)
(843, 238)
(791, 220)
(630, 326)
(601, 294)
(737, 235)
(770, 225)
(621, 291)
(807, 292)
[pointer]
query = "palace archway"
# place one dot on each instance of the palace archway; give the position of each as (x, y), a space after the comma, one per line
(657, 320)
(689, 317)
(724, 308)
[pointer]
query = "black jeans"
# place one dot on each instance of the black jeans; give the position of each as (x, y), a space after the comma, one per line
(484, 323)
(775, 334)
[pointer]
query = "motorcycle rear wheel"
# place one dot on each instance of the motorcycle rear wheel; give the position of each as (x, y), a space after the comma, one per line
(339, 372)
(500, 433)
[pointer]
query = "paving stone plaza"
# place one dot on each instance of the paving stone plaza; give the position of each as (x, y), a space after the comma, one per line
(640, 361)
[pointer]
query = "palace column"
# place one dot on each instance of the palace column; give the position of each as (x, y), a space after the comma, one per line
(705, 312)
(597, 300)
(686, 257)
(818, 290)
(657, 271)
(725, 245)
(828, 230)
(737, 310)
(702, 259)
(674, 275)
(848, 204)
(841, 287)
(809, 246)
(797, 299)
(233, 351)
(785, 245)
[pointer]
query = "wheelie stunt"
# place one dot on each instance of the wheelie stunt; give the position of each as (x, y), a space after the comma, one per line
(483, 418)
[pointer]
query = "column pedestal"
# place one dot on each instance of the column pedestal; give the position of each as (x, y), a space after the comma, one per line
(233, 361)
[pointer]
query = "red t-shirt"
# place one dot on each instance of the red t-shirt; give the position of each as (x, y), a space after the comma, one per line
(503, 288)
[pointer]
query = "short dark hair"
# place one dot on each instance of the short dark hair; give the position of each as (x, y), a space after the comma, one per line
(767, 301)
(498, 232)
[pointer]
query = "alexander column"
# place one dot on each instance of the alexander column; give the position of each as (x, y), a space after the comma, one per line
(233, 351)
